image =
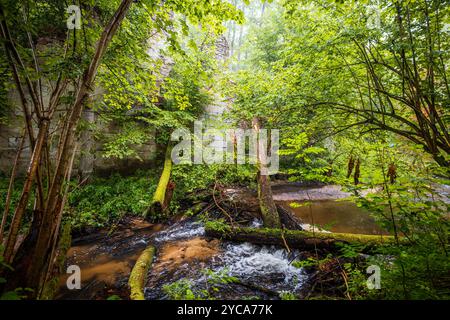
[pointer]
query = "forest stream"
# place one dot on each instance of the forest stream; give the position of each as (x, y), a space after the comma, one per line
(224, 150)
(184, 252)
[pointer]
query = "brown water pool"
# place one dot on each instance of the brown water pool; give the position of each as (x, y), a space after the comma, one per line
(336, 216)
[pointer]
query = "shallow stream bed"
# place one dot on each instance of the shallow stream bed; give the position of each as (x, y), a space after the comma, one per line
(183, 252)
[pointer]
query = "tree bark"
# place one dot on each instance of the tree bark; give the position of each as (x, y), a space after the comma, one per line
(55, 199)
(23, 201)
(269, 212)
(10, 188)
(357, 174)
(288, 220)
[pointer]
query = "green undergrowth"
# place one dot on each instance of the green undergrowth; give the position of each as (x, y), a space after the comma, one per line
(106, 200)
(4, 183)
(196, 182)
(184, 289)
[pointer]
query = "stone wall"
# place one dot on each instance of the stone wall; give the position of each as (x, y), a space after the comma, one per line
(89, 159)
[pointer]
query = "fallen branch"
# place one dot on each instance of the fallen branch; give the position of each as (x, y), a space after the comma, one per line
(217, 204)
(285, 243)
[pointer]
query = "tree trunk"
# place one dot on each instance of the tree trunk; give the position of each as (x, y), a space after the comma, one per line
(10, 188)
(159, 205)
(288, 220)
(357, 172)
(64, 244)
(48, 230)
(269, 212)
(23, 201)
(350, 166)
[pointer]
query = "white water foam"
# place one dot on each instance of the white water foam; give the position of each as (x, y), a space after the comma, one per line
(262, 265)
(267, 266)
(185, 230)
(256, 223)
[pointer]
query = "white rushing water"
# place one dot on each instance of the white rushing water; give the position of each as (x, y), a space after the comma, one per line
(184, 230)
(267, 266)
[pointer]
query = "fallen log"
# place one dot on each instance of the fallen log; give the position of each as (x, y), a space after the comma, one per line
(139, 273)
(293, 238)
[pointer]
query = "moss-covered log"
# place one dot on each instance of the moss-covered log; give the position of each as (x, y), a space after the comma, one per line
(293, 238)
(139, 273)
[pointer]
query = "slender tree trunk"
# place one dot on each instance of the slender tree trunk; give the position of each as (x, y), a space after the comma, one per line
(267, 205)
(15, 62)
(350, 166)
(48, 230)
(54, 242)
(23, 201)
(357, 172)
(10, 188)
